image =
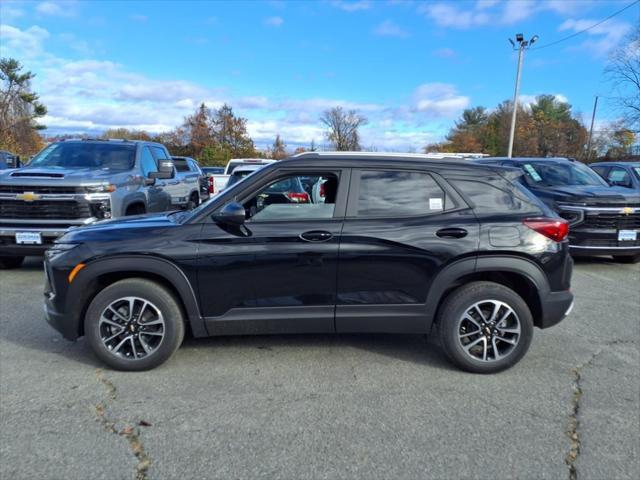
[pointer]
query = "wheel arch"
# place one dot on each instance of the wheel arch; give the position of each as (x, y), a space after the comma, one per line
(101, 273)
(519, 274)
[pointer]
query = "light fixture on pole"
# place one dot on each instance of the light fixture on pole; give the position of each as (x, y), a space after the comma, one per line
(521, 45)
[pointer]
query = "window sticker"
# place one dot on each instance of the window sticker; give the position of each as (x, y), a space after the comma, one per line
(435, 204)
(532, 172)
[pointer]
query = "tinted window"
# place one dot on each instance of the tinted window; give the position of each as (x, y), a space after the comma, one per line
(160, 153)
(104, 156)
(396, 193)
(181, 165)
(494, 197)
(637, 172)
(148, 163)
(552, 174)
(619, 176)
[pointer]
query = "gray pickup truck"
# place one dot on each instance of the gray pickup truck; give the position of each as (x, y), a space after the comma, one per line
(78, 182)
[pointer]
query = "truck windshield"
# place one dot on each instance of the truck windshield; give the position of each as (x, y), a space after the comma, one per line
(99, 156)
(555, 174)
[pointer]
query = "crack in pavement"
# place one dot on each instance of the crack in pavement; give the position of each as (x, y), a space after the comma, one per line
(131, 433)
(574, 422)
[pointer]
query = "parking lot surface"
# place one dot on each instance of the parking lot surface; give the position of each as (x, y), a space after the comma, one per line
(320, 406)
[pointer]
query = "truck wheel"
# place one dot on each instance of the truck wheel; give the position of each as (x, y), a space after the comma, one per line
(627, 259)
(7, 263)
(193, 202)
(134, 324)
(485, 327)
(136, 209)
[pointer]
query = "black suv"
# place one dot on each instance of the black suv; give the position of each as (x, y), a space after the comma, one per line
(395, 245)
(604, 220)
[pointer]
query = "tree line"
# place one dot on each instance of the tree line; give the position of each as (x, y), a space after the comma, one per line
(546, 127)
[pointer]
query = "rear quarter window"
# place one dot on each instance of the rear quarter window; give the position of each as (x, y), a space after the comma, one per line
(496, 195)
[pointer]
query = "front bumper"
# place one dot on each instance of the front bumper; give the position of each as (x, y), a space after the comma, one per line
(555, 307)
(9, 247)
(582, 250)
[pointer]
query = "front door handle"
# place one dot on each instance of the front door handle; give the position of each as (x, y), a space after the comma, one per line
(452, 233)
(316, 236)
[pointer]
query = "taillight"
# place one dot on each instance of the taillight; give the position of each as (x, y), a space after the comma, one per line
(322, 189)
(552, 228)
(212, 186)
(298, 197)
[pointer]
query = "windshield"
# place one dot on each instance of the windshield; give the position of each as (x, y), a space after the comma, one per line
(556, 174)
(104, 156)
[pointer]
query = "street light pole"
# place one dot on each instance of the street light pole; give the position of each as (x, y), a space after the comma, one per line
(522, 44)
(593, 118)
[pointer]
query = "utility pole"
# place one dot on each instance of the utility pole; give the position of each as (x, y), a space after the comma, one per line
(522, 44)
(593, 118)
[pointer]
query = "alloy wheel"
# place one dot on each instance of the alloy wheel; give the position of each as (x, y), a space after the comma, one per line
(131, 328)
(489, 330)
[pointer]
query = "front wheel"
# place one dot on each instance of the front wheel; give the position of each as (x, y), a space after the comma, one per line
(7, 263)
(627, 259)
(485, 327)
(134, 324)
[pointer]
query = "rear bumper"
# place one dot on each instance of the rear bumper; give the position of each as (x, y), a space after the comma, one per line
(555, 307)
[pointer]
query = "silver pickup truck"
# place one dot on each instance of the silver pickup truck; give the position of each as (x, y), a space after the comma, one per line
(78, 182)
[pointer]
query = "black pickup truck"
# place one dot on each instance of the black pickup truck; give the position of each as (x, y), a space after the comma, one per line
(603, 219)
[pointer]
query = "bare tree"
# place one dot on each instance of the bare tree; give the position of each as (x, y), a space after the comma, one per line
(342, 128)
(279, 149)
(623, 71)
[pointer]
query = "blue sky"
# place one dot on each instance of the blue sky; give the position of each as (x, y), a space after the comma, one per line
(410, 67)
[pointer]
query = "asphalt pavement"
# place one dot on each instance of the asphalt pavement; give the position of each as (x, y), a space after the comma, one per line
(327, 407)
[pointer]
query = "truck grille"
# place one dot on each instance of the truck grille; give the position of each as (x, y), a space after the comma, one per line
(39, 189)
(43, 210)
(612, 221)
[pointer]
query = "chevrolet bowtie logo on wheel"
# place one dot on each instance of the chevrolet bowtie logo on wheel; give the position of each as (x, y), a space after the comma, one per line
(28, 197)
(627, 211)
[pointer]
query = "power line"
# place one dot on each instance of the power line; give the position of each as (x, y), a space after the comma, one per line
(588, 28)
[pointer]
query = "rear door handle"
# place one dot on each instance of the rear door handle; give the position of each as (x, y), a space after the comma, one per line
(452, 233)
(316, 236)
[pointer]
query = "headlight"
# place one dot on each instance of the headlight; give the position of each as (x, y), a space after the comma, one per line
(58, 249)
(104, 188)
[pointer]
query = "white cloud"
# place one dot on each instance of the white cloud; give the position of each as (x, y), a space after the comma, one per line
(390, 29)
(11, 13)
(22, 43)
(526, 99)
(92, 95)
(602, 38)
(274, 21)
(351, 6)
(57, 9)
(445, 52)
(439, 100)
(448, 15)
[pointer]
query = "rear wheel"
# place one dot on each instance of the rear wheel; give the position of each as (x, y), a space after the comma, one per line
(193, 202)
(627, 259)
(137, 209)
(485, 327)
(7, 263)
(134, 324)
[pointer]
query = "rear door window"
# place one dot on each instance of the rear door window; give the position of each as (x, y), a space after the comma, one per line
(393, 193)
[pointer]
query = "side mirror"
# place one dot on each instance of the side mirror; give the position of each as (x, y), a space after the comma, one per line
(231, 214)
(165, 170)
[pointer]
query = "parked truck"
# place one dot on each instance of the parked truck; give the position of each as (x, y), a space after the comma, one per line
(218, 181)
(78, 182)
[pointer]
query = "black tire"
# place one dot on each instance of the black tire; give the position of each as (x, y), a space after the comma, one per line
(627, 258)
(450, 326)
(7, 263)
(160, 298)
(136, 209)
(193, 202)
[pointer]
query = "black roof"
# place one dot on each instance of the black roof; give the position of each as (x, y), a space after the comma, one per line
(380, 160)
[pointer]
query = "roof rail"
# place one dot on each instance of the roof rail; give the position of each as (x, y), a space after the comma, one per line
(392, 155)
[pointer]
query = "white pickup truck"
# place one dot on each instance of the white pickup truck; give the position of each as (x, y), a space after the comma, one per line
(218, 181)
